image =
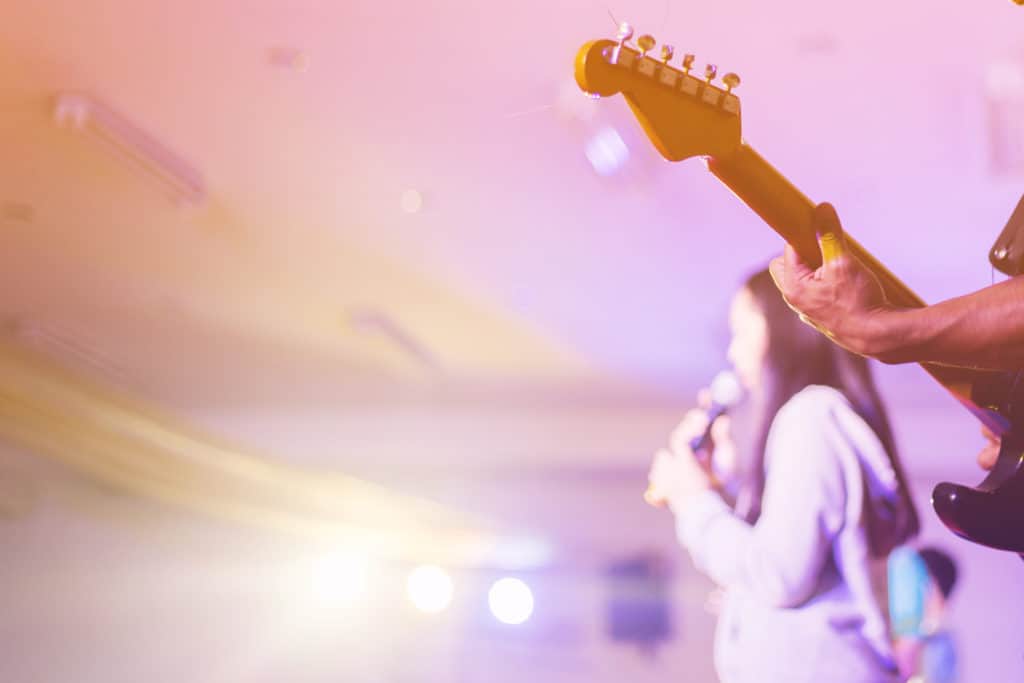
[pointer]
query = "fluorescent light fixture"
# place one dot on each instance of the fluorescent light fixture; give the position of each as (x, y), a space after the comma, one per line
(84, 113)
(65, 346)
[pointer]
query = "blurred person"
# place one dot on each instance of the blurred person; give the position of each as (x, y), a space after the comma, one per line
(920, 583)
(801, 552)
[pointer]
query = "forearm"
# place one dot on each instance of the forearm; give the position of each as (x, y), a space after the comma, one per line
(714, 537)
(776, 563)
(984, 329)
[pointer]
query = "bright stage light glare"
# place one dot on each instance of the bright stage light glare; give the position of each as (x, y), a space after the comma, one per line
(339, 578)
(511, 601)
(607, 151)
(430, 589)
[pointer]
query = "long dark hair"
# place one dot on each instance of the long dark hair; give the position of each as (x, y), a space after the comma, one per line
(799, 356)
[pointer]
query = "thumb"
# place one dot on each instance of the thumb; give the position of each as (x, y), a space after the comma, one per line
(829, 231)
(777, 269)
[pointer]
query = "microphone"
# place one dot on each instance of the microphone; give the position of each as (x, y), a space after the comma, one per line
(725, 393)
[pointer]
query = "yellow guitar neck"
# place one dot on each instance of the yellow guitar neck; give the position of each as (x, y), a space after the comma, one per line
(789, 211)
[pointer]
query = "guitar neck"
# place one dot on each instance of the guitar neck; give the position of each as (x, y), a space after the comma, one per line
(789, 212)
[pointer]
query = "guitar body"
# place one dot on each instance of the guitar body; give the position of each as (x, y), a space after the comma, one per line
(686, 117)
(992, 513)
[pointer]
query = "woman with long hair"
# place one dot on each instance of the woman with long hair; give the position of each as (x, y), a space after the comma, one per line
(800, 548)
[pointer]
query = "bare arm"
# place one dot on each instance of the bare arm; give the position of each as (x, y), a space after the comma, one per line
(984, 329)
(845, 301)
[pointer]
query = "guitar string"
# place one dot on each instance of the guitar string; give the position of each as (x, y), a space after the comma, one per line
(616, 24)
(551, 105)
(527, 112)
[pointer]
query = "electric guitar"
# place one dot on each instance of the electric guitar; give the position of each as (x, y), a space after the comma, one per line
(688, 116)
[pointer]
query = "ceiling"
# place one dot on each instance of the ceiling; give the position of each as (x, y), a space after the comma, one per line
(516, 311)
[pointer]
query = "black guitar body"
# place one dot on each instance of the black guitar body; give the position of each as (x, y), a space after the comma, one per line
(992, 513)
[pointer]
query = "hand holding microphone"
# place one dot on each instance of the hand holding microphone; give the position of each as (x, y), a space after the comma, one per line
(725, 392)
(685, 466)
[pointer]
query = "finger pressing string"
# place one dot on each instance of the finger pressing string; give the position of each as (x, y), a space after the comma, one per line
(829, 232)
(832, 247)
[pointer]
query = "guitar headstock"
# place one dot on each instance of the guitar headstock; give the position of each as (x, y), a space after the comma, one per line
(684, 115)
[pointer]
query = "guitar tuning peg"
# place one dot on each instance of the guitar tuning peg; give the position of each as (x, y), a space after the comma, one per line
(646, 43)
(731, 81)
(666, 53)
(624, 34)
(688, 61)
(710, 71)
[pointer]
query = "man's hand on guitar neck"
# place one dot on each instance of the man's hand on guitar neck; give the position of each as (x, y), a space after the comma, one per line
(841, 298)
(844, 300)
